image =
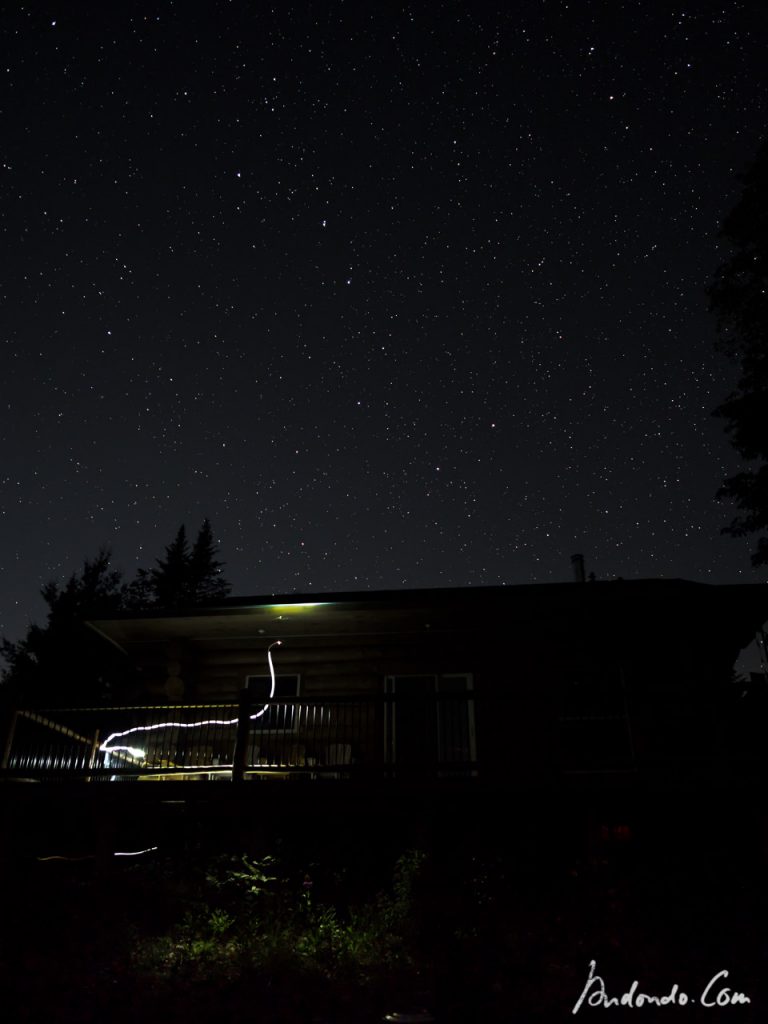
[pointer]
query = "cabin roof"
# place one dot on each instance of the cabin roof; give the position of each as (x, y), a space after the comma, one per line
(743, 608)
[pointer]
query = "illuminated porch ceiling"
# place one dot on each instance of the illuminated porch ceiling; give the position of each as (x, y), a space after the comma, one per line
(742, 608)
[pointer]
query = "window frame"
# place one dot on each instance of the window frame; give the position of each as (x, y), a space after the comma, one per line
(273, 710)
(390, 719)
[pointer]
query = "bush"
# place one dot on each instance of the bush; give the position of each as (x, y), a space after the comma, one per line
(251, 918)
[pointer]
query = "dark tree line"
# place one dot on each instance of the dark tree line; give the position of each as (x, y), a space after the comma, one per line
(187, 576)
(739, 299)
(66, 659)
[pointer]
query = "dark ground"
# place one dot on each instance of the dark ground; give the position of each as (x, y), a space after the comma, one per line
(481, 912)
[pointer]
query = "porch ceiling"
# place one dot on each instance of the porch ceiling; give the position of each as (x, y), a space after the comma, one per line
(737, 609)
(266, 623)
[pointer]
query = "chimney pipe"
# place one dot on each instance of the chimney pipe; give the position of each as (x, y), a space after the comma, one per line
(577, 564)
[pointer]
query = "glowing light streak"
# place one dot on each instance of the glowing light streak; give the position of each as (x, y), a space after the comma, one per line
(277, 643)
(133, 751)
(58, 856)
(92, 856)
(107, 748)
(297, 607)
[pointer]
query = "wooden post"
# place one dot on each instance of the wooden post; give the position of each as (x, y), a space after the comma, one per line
(240, 755)
(9, 738)
(94, 752)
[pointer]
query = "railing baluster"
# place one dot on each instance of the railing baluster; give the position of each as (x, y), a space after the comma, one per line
(321, 738)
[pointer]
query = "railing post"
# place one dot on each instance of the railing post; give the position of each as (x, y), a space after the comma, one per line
(9, 738)
(240, 755)
(94, 753)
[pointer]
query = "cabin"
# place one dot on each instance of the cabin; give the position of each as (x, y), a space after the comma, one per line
(622, 683)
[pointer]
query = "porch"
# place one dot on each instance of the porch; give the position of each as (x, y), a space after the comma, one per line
(382, 736)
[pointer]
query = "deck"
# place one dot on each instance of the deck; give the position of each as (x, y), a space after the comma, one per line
(329, 738)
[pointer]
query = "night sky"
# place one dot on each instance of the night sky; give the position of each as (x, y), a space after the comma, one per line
(399, 295)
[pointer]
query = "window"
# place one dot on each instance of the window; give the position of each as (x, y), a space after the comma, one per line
(278, 716)
(595, 731)
(430, 724)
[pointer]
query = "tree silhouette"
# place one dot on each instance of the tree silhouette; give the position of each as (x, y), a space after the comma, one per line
(170, 580)
(206, 582)
(185, 577)
(139, 593)
(65, 658)
(739, 299)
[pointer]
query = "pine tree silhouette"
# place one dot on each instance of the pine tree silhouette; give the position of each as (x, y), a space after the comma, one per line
(170, 580)
(738, 300)
(185, 577)
(206, 582)
(65, 660)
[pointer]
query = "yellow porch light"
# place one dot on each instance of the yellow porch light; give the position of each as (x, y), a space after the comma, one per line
(301, 606)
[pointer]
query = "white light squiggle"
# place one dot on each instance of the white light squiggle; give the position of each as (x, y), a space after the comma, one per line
(137, 752)
(92, 856)
(58, 856)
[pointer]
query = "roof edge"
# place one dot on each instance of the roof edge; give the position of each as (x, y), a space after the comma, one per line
(405, 595)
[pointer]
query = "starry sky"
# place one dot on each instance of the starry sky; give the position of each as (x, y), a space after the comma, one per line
(398, 295)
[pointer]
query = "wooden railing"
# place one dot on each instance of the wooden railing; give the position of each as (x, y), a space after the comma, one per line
(376, 736)
(332, 737)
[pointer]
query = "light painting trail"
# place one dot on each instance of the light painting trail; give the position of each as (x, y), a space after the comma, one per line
(136, 752)
(92, 856)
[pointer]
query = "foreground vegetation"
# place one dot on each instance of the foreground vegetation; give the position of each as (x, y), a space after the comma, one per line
(474, 931)
(196, 937)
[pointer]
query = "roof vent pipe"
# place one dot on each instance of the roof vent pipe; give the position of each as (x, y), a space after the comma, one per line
(577, 564)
